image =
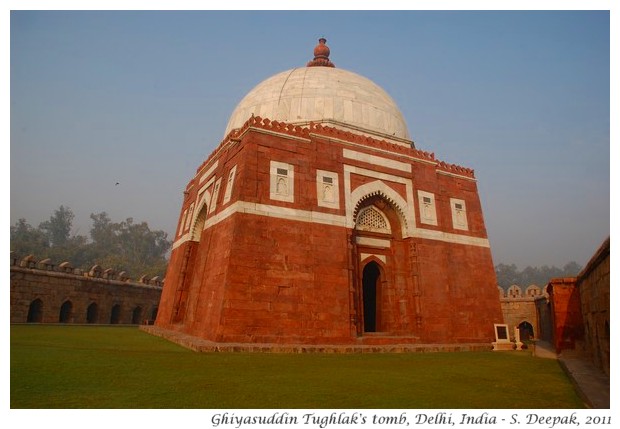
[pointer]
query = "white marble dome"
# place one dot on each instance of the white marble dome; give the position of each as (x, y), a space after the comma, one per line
(323, 94)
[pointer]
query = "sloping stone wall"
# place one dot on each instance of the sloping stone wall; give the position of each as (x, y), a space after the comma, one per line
(580, 310)
(593, 284)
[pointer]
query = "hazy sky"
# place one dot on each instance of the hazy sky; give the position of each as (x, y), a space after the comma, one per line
(142, 98)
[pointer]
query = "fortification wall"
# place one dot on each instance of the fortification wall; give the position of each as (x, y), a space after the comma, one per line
(593, 284)
(580, 310)
(42, 292)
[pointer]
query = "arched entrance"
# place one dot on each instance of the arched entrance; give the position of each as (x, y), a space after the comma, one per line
(65, 312)
(370, 281)
(377, 235)
(92, 313)
(136, 316)
(115, 316)
(35, 312)
(526, 331)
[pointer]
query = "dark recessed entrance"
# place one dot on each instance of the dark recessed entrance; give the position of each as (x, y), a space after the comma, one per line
(91, 313)
(370, 280)
(115, 317)
(35, 312)
(65, 312)
(136, 316)
(526, 331)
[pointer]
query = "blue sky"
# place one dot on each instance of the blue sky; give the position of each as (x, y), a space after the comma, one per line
(142, 98)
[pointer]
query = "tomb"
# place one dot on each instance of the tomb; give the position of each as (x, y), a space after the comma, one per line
(317, 221)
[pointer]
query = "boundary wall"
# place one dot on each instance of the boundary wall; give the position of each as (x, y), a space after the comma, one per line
(42, 292)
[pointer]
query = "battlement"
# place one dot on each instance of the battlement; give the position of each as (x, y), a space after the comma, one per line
(96, 271)
(455, 169)
(305, 131)
(515, 292)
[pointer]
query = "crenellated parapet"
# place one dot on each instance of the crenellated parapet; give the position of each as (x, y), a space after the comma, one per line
(455, 169)
(333, 132)
(381, 144)
(518, 293)
(29, 262)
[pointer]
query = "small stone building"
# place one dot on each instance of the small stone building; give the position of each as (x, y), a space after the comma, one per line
(318, 221)
(520, 311)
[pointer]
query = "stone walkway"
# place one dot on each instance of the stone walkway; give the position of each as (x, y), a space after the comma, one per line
(591, 383)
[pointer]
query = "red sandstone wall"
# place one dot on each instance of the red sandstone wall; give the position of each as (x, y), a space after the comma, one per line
(286, 283)
(566, 311)
(166, 304)
(456, 285)
(209, 284)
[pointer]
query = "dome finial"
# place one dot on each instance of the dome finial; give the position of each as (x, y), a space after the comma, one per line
(321, 55)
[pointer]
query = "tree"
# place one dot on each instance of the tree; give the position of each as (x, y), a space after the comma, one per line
(26, 240)
(572, 269)
(104, 244)
(507, 275)
(58, 227)
(62, 245)
(128, 246)
(123, 246)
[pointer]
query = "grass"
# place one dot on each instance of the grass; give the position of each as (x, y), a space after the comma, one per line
(123, 367)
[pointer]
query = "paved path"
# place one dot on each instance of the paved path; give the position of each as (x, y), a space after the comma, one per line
(591, 383)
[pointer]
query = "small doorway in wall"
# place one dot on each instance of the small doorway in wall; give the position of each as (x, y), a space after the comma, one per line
(136, 316)
(115, 316)
(526, 331)
(92, 313)
(65, 312)
(370, 279)
(35, 312)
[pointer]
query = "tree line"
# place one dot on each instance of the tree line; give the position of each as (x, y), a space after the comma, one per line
(508, 275)
(123, 246)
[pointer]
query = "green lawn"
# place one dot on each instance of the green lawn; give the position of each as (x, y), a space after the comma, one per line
(123, 367)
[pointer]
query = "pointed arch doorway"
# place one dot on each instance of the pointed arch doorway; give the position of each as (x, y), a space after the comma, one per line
(371, 276)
